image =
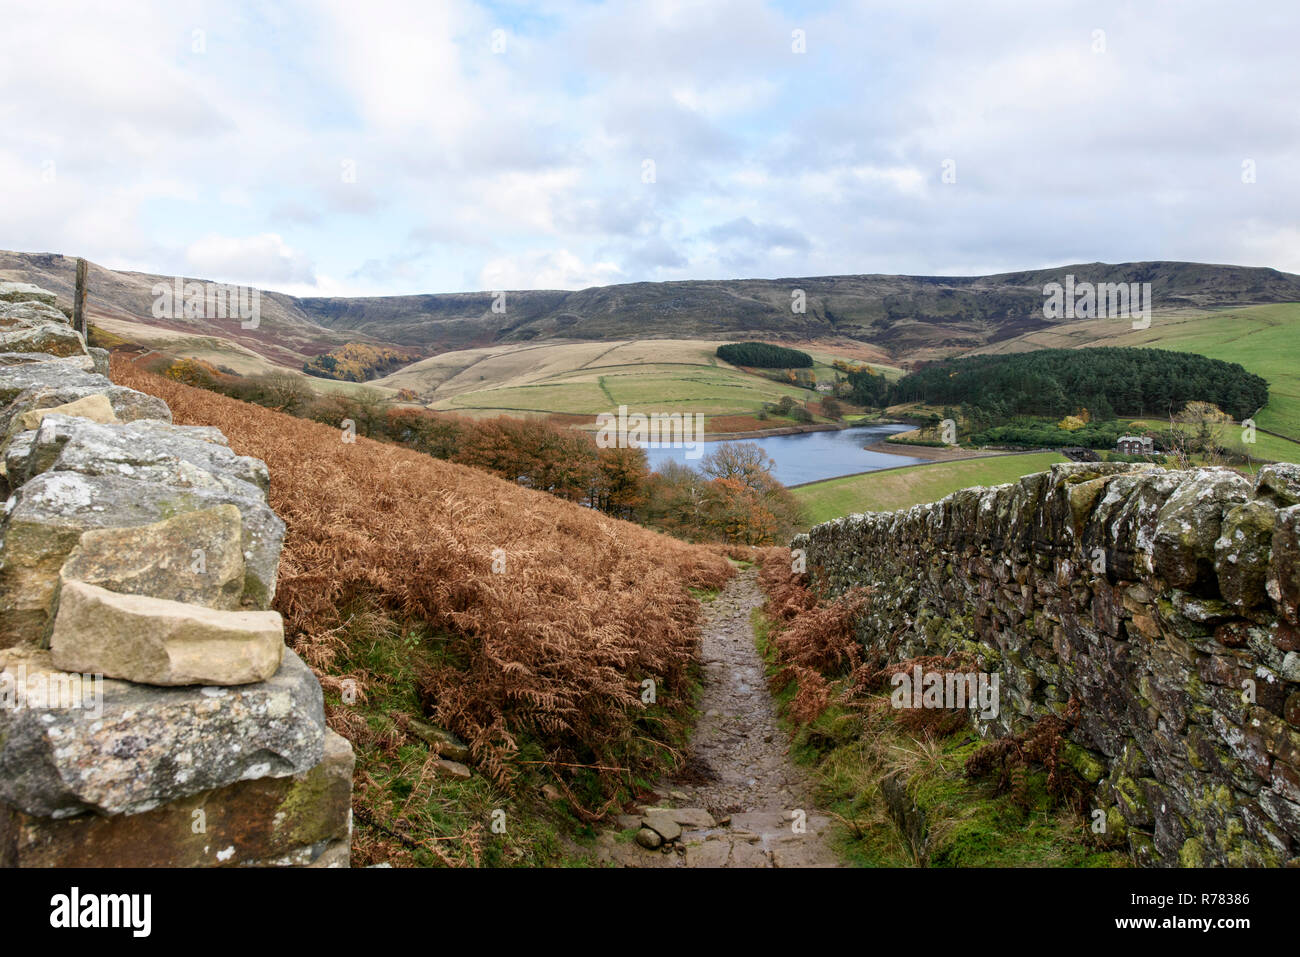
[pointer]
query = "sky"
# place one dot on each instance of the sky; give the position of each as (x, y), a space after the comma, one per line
(341, 147)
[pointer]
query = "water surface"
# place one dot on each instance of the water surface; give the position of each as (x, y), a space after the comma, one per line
(809, 456)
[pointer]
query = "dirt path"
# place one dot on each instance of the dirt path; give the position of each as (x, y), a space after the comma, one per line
(740, 801)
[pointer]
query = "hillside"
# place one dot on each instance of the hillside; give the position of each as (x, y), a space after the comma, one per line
(584, 378)
(900, 488)
(906, 316)
(436, 591)
(122, 303)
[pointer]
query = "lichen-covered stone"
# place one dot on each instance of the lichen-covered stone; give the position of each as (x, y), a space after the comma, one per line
(177, 527)
(1133, 603)
(143, 747)
(52, 338)
(1190, 523)
(156, 641)
(300, 819)
(1279, 484)
(1283, 580)
(17, 314)
(25, 292)
(28, 386)
(84, 363)
(99, 360)
(48, 514)
(190, 455)
(1242, 552)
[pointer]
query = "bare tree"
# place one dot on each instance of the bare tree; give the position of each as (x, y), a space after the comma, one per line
(286, 392)
(743, 461)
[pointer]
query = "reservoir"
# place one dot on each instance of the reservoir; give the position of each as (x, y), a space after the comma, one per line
(808, 456)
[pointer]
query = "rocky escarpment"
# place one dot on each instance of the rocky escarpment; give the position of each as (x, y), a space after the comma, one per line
(150, 713)
(1154, 610)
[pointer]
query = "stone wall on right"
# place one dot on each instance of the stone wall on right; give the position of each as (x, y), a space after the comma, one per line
(1162, 603)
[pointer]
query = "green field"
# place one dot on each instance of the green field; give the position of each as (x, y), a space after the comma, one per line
(901, 488)
(1269, 447)
(713, 390)
(585, 378)
(1265, 340)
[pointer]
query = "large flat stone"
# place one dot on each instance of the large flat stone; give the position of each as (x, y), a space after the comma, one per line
(686, 817)
(189, 455)
(54, 374)
(134, 748)
(48, 514)
(95, 407)
(301, 819)
(84, 363)
(662, 823)
(195, 557)
(156, 641)
(27, 386)
(14, 314)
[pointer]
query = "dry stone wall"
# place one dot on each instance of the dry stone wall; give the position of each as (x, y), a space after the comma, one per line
(1164, 603)
(150, 713)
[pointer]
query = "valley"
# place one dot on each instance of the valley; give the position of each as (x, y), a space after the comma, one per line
(559, 356)
(481, 696)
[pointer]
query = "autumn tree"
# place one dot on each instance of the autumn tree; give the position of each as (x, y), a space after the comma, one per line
(621, 479)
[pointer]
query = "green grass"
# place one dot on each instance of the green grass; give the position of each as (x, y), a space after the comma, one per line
(902, 488)
(969, 823)
(578, 398)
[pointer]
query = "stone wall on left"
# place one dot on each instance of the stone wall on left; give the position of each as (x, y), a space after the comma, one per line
(150, 713)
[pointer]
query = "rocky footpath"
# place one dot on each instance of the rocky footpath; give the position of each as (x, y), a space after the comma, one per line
(150, 713)
(739, 801)
(1154, 610)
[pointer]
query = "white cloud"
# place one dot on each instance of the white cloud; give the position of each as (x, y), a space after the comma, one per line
(229, 160)
(546, 269)
(264, 259)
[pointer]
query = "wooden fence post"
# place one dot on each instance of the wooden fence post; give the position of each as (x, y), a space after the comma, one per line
(79, 299)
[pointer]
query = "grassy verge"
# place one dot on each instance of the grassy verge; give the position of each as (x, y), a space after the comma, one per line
(407, 811)
(940, 816)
